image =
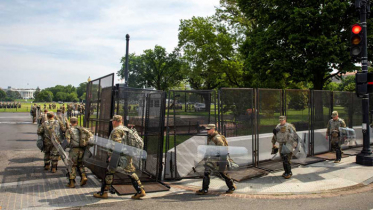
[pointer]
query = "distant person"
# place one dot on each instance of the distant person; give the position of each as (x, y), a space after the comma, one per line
(283, 134)
(332, 131)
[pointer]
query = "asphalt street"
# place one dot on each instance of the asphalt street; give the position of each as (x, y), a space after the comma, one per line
(20, 160)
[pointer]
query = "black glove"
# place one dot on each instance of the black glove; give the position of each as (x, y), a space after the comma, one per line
(274, 131)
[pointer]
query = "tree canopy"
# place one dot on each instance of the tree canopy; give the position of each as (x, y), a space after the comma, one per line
(294, 41)
(154, 68)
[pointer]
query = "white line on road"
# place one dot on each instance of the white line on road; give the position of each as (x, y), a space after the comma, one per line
(13, 123)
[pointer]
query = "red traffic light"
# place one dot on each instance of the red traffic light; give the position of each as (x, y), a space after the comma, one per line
(356, 29)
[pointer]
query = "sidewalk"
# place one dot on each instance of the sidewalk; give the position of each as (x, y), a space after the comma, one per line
(314, 178)
(310, 180)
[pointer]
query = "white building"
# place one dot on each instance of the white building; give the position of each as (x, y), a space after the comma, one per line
(25, 93)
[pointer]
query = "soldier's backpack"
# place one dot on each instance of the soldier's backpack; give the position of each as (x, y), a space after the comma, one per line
(133, 139)
(224, 139)
(84, 136)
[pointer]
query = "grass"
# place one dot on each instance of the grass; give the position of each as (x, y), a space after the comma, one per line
(26, 106)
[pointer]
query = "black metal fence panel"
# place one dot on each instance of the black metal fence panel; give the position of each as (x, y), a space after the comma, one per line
(188, 114)
(270, 107)
(143, 110)
(321, 109)
(236, 121)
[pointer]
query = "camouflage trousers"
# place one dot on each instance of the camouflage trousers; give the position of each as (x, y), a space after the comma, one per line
(335, 144)
(212, 168)
(50, 154)
(109, 177)
(76, 155)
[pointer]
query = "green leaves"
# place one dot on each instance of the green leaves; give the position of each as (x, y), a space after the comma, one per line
(155, 68)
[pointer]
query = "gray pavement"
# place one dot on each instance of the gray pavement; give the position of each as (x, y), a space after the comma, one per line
(25, 185)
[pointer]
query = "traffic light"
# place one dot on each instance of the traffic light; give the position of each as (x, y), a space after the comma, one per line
(356, 41)
(364, 83)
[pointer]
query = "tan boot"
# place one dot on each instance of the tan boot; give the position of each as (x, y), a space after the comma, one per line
(54, 170)
(99, 195)
(71, 183)
(139, 195)
(201, 192)
(230, 191)
(47, 167)
(84, 180)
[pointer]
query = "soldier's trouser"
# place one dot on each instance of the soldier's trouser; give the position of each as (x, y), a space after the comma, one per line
(286, 158)
(109, 177)
(206, 179)
(76, 155)
(335, 144)
(50, 154)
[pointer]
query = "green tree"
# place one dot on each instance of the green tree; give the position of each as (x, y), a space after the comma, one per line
(294, 41)
(2, 94)
(210, 49)
(44, 96)
(81, 89)
(61, 96)
(13, 95)
(347, 84)
(37, 91)
(155, 68)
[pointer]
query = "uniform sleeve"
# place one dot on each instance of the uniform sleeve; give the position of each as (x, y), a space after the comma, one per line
(273, 140)
(41, 130)
(343, 124)
(218, 141)
(62, 126)
(293, 127)
(68, 135)
(117, 135)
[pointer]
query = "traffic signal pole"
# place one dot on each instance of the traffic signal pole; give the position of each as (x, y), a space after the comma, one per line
(365, 157)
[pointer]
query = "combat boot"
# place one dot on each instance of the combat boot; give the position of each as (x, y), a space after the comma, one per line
(101, 195)
(54, 169)
(139, 195)
(84, 180)
(47, 166)
(202, 192)
(231, 190)
(288, 173)
(71, 183)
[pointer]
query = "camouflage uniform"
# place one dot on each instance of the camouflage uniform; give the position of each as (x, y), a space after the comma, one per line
(76, 137)
(117, 134)
(33, 113)
(283, 135)
(63, 108)
(43, 117)
(333, 132)
(212, 167)
(50, 152)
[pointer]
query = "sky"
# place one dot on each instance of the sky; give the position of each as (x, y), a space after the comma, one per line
(44, 43)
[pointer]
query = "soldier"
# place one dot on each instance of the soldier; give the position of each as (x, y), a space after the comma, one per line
(332, 132)
(63, 109)
(214, 138)
(283, 134)
(50, 152)
(77, 137)
(117, 134)
(33, 111)
(45, 106)
(43, 117)
(62, 118)
(50, 106)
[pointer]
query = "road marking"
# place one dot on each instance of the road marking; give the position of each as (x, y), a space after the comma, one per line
(13, 123)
